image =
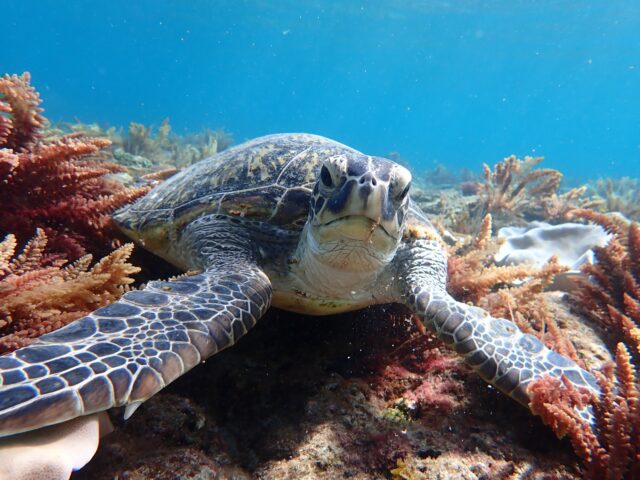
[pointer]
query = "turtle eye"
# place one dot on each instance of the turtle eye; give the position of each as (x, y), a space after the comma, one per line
(325, 176)
(404, 192)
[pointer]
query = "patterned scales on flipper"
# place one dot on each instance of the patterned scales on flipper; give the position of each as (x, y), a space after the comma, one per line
(126, 352)
(496, 348)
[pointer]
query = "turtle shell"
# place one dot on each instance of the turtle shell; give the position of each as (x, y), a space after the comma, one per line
(267, 179)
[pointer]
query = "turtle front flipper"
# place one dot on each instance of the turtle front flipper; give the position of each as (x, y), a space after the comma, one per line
(496, 348)
(124, 353)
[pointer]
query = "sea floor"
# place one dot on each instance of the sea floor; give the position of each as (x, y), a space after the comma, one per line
(313, 398)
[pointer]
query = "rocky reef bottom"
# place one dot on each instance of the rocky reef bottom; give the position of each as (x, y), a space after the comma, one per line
(360, 396)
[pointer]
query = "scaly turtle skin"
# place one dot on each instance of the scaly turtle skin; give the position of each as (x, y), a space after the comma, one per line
(296, 221)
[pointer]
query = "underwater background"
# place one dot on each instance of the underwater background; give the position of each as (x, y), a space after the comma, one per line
(101, 102)
(451, 83)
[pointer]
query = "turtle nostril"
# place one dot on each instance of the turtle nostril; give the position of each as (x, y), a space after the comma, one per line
(368, 179)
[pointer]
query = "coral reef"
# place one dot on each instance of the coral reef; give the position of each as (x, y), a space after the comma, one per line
(473, 273)
(146, 148)
(444, 207)
(513, 192)
(607, 292)
(559, 207)
(40, 292)
(56, 187)
(58, 184)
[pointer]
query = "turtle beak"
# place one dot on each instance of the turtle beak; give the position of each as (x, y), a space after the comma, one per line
(377, 199)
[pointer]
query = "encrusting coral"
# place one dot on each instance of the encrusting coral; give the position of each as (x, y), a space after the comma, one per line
(58, 184)
(40, 292)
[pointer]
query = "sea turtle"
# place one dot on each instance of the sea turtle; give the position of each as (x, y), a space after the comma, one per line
(297, 221)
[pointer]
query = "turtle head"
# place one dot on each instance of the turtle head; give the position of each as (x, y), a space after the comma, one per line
(358, 210)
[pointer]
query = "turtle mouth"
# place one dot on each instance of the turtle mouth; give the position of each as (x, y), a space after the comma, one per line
(359, 222)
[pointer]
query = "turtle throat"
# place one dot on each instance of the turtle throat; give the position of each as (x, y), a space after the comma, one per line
(342, 257)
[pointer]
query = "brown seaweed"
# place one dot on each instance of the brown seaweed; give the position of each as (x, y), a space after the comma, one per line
(40, 292)
(59, 184)
(609, 449)
(608, 294)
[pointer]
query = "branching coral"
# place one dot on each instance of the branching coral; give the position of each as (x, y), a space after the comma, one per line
(610, 449)
(58, 184)
(516, 191)
(40, 293)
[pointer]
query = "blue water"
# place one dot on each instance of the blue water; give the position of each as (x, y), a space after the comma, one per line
(457, 83)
